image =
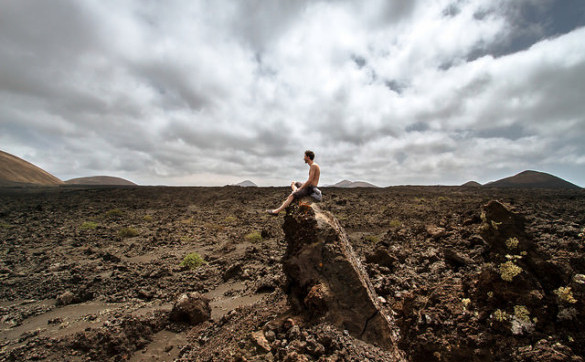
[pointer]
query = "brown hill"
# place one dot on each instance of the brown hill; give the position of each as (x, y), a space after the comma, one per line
(533, 179)
(471, 184)
(100, 180)
(353, 184)
(246, 183)
(16, 171)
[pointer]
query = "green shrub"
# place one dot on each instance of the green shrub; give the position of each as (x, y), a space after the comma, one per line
(147, 218)
(512, 243)
(193, 261)
(127, 232)
(4, 225)
(230, 219)
(253, 237)
(466, 302)
(495, 224)
(395, 224)
(565, 295)
(114, 213)
(187, 239)
(500, 315)
(89, 225)
(509, 270)
(522, 313)
(372, 239)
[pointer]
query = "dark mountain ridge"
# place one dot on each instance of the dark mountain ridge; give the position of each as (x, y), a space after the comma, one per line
(533, 179)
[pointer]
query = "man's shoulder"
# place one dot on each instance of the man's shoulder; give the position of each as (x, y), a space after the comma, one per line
(315, 165)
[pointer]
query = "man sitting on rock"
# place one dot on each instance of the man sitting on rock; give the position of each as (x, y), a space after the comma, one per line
(309, 188)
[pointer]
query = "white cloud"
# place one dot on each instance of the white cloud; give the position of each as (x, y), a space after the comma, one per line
(390, 92)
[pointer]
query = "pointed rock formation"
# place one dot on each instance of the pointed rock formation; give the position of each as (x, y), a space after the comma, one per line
(505, 232)
(327, 281)
(517, 284)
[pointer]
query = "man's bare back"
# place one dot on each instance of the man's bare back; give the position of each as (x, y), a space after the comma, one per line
(316, 171)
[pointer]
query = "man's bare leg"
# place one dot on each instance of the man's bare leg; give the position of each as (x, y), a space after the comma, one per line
(286, 202)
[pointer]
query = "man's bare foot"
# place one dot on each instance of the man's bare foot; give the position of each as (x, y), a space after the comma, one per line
(272, 212)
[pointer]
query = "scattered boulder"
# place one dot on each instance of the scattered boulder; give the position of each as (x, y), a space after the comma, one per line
(456, 259)
(191, 308)
(66, 298)
(325, 279)
(233, 272)
(435, 232)
(261, 341)
(382, 257)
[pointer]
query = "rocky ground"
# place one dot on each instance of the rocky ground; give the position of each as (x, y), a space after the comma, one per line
(93, 274)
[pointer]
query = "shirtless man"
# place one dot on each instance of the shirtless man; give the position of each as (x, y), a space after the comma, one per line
(302, 189)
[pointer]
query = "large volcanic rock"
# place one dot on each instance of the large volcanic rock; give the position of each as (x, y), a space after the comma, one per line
(519, 285)
(326, 281)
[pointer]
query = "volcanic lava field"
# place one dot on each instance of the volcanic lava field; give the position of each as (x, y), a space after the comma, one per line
(92, 273)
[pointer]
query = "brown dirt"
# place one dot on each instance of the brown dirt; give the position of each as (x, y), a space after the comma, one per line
(423, 248)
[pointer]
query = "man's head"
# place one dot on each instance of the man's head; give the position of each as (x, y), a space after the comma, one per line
(310, 155)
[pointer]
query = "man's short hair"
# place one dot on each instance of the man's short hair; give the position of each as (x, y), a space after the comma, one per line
(310, 154)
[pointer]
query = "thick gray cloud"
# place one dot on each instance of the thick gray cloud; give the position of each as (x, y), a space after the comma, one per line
(210, 93)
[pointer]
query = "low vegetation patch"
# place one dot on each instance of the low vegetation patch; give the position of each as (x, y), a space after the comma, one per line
(4, 225)
(395, 224)
(127, 232)
(213, 227)
(114, 213)
(512, 243)
(253, 237)
(522, 313)
(193, 261)
(372, 239)
(565, 295)
(500, 315)
(230, 219)
(89, 225)
(509, 270)
(147, 218)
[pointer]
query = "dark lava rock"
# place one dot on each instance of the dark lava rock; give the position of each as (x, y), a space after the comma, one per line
(191, 308)
(382, 257)
(326, 279)
(65, 298)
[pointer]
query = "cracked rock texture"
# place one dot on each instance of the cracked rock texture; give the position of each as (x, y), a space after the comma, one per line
(327, 281)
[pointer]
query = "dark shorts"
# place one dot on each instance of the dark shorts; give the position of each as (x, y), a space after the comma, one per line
(302, 192)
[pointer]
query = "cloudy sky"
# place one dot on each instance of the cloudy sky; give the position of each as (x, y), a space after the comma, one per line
(393, 92)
